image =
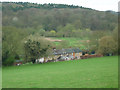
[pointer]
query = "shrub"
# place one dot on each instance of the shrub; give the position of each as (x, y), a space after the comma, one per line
(9, 61)
(107, 45)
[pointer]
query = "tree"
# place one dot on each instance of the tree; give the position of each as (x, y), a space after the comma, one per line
(94, 37)
(115, 34)
(107, 45)
(53, 33)
(116, 38)
(78, 24)
(36, 48)
(12, 44)
(68, 30)
(41, 32)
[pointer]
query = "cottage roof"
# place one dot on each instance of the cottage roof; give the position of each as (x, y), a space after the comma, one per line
(18, 60)
(61, 51)
(77, 50)
(64, 51)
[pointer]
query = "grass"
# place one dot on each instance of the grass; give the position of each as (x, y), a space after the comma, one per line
(88, 73)
(73, 42)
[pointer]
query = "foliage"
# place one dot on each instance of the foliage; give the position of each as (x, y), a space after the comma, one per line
(51, 16)
(115, 34)
(23, 5)
(12, 42)
(52, 32)
(35, 48)
(9, 61)
(107, 45)
(116, 38)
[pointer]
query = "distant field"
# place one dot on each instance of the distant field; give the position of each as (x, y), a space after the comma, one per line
(73, 42)
(87, 73)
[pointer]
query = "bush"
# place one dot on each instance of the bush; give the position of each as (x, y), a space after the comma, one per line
(107, 45)
(9, 61)
(17, 56)
(36, 48)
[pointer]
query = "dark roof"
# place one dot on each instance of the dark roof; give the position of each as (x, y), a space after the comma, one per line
(64, 51)
(69, 50)
(77, 50)
(58, 52)
(18, 60)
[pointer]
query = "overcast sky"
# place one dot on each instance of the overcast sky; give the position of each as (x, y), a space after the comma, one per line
(101, 5)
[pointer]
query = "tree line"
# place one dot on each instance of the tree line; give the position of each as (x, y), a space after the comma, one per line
(24, 5)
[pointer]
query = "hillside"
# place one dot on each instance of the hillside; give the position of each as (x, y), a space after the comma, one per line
(53, 16)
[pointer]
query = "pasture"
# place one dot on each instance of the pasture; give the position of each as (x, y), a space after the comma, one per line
(86, 73)
(73, 42)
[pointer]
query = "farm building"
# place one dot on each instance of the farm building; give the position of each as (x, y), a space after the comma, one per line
(62, 54)
(18, 62)
(67, 53)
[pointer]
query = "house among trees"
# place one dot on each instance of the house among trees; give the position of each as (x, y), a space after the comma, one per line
(67, 54)
(63, 54)
(18, 62)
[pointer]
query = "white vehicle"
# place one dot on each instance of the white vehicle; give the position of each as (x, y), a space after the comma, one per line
(41, 60)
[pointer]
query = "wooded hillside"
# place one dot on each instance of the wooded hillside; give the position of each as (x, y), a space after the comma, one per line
(53, 16)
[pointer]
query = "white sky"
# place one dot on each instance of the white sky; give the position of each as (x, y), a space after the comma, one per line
(101, 5)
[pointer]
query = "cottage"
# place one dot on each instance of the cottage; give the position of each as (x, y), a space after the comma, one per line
(77, 53)
(18, 62)
(62, 55)
(67, 54)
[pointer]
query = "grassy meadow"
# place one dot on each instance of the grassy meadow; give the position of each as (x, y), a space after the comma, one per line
(72, 41)
(86, 73)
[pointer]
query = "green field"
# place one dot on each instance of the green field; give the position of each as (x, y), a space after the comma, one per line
(88, 73)
(73, 42)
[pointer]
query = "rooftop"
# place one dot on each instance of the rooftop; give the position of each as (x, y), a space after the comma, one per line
(65, 51)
